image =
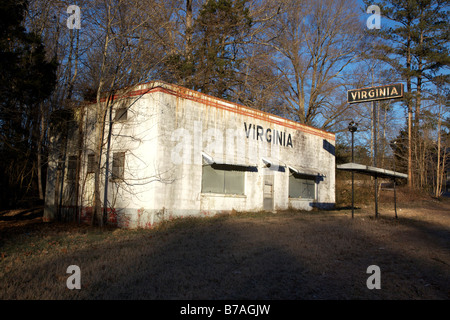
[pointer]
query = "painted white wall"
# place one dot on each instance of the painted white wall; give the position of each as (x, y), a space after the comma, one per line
(164, 137)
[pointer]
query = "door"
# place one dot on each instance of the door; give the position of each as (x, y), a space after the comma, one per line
(268, 191)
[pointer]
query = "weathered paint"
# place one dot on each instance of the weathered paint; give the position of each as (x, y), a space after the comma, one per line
(167, 130)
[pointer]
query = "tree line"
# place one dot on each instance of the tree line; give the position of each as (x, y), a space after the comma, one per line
(292, 58)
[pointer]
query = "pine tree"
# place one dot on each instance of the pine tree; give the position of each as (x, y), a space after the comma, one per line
(27, 79)
(430, 51)
(416, 47)
(212, 58)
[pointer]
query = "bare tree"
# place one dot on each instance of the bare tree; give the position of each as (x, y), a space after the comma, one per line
(442, 104)
(315, 42)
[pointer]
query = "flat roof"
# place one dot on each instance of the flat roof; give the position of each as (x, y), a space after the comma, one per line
(189, 94)
(372, 171)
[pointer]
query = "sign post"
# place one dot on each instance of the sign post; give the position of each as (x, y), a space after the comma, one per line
(374, 107)
(374, 94)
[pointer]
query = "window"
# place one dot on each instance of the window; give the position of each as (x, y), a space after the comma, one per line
(225, 179)
(121, 114)
(72, 168)
(118, 165)
(91, 163)
(302, 186)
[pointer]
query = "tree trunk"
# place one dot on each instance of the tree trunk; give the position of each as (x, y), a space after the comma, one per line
(408, 86)
(189, 23)
(100, 124)
(107, 153)
(39, 153)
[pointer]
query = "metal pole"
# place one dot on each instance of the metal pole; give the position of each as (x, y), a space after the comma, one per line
(374, 106)
(353, 187)
(395, 202)
(395, 196)
(352, 127)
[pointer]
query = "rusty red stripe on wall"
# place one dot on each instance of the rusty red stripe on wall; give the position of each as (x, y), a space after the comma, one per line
(256, 114)
(236, 108)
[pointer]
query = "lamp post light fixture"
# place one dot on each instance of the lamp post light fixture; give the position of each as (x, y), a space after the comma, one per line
(353, 127)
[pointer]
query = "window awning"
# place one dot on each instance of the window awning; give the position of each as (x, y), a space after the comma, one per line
(372, 171)
(305, 171)
(272, 163)
(208, 159)
(213, 161)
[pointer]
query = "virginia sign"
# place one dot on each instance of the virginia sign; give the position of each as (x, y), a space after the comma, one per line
(391, 91)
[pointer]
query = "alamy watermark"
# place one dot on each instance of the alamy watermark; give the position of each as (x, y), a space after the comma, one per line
(73, 281)
(374, 281)
(74, 20)
(226, 146)
(374, 21)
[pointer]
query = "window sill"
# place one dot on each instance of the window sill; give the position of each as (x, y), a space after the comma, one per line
(303, 199)
(222, 195)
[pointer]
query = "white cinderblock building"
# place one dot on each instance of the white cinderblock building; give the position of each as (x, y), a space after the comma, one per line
(175, 152)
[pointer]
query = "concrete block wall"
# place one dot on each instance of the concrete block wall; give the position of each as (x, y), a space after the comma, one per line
(167, 130)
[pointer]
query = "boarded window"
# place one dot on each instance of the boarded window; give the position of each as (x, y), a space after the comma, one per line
(121, 114)
(118, 165)
(301, 186)
(225, 179)
(72, 168)
(91, 163)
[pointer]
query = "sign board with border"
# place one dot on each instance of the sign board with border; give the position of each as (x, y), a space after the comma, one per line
(392, 91)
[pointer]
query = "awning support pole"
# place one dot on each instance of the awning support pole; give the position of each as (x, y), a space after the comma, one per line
(374, 106)
(353, 182)
(395, 201)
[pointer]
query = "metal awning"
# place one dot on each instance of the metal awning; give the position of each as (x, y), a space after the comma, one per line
(270, 162)
(372, 171)
(212, 161)
(304, 171)
(208, 159)
(275, 165)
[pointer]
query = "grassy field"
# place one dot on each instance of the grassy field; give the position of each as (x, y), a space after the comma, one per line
(288, 255)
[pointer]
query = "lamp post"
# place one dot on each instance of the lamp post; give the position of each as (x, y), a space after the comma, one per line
(352, 127)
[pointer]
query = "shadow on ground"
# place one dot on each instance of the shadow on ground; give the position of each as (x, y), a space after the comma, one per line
(289, 257)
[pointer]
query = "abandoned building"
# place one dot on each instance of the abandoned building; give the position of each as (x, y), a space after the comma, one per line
(168, 151)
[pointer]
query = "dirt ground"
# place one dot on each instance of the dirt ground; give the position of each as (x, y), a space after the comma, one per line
(273, 256)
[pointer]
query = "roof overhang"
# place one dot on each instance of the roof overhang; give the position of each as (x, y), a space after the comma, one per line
(372, 171)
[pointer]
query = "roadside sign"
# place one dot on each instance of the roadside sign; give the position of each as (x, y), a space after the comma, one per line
(391, 91)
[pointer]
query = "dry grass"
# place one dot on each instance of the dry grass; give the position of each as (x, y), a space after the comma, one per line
(289, 255)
